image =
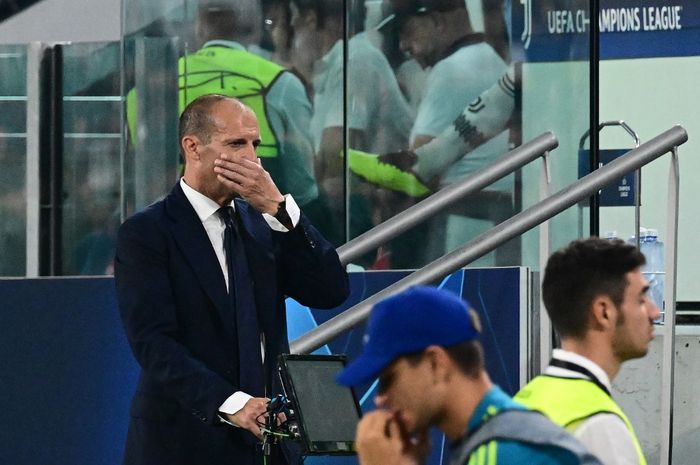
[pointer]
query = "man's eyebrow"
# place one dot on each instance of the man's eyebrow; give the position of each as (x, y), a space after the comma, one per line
(239, 140)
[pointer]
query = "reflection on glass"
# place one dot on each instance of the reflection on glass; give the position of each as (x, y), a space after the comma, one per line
(91, 163)
(444, 66)
(418, 94)
(224, 63)
(13, 96)
(156, 34)
(377, 115)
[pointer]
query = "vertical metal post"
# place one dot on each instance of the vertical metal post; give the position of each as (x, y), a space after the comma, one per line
(123, 143)
(637, 205)
(669, 328)
(545, 326)
(53, 179)
(346, 128)
(35, 58)
(593, 66)
(44, 159)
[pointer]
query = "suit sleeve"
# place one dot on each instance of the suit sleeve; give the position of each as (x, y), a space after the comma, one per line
(309, 268)
(148, 311)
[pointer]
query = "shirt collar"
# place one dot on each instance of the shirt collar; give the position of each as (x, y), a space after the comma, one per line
(469, 39)
(577, 359)
(224, 43)
(493, 402)
(203, 205)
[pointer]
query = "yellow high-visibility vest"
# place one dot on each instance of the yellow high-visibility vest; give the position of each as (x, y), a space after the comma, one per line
(569, 401)
(210, 70)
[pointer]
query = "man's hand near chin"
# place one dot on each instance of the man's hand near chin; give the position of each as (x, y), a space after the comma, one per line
(247, 417)
(381, 439)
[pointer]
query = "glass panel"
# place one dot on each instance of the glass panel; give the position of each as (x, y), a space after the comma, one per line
(256, 61)
(459, 67)
(307, 38)
(13, 142)
(397, 98)
(156, 34)
(379, 121)
(91, 147)
(555, 97)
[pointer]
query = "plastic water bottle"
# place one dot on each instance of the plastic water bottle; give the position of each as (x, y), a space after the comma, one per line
(642, 235)
(654, 270)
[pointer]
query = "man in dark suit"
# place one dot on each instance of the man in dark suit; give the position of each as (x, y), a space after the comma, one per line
(205, 329)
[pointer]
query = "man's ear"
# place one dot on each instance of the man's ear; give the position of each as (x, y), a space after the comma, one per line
(440, 361)
(190, 146)
(602, 312)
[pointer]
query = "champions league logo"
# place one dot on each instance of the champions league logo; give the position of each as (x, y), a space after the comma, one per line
(573, 17)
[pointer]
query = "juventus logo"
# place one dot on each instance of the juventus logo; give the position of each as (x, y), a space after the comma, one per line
(527, 23)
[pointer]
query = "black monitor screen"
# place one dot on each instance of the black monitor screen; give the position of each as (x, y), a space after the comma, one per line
(328, 413)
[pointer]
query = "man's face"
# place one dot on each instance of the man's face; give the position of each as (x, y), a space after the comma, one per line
(305, 39)
(634, 326)
(417, 37)
(236, 133)
(405, 389)
(278, 25)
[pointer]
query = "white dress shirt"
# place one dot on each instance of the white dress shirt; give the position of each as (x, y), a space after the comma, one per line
(206, 209)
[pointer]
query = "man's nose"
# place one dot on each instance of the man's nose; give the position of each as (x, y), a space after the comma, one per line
(249, 152)
(654, 311)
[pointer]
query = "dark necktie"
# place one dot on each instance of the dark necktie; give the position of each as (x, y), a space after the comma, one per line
(251, 376)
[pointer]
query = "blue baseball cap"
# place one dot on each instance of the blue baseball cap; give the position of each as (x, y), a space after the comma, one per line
(406, 323)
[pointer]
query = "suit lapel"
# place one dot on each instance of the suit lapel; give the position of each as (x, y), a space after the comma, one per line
(195, 246)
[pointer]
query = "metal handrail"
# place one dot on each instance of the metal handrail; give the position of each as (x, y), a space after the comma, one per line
(393, 227)
(489, 240)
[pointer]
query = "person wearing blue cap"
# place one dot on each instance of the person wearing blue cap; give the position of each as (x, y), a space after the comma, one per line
(423, 345)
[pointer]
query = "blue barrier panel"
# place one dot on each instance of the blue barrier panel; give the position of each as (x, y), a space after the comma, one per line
(66, 375)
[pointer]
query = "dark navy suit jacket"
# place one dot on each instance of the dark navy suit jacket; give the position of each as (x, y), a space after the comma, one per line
(175, 309)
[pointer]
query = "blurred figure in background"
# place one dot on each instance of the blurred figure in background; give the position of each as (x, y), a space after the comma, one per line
(222, 65)
(278, 28)
(223, 32)
(13, 206)
(378, 117)
(461, 65)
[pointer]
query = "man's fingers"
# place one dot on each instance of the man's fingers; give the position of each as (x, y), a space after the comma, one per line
(242, 165)
(393, 430)
(375, 423)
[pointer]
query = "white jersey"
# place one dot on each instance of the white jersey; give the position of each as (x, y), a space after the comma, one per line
(375, 103)
(452, 84)
(484, 118)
